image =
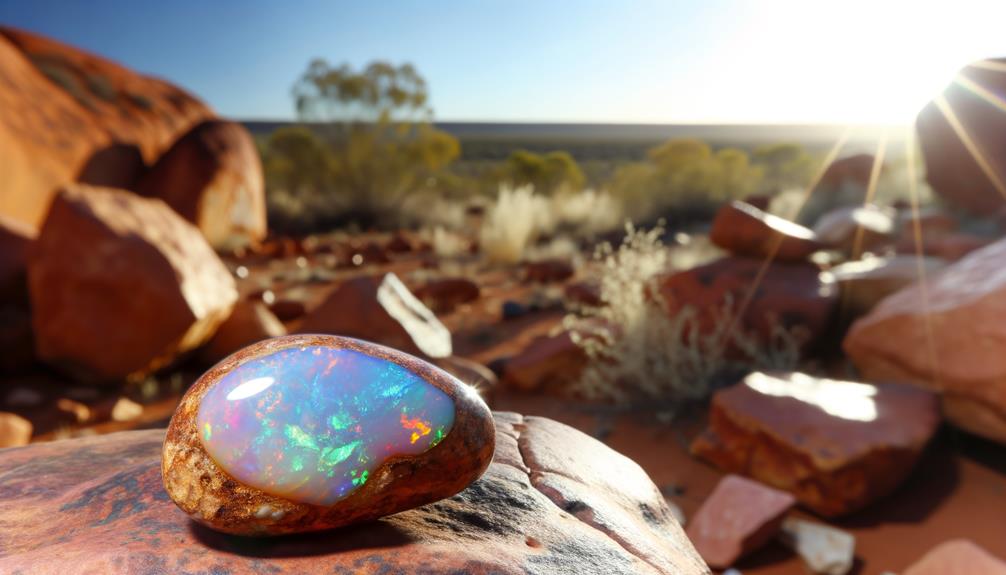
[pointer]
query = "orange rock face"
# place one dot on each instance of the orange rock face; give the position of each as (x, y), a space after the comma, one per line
(790, 296)
(744, 230)
(121, 285)
(519, 518)
(68, 114)
(212, 176)
(739, 516)
(946, 335)
(836, 445)
(951, 169)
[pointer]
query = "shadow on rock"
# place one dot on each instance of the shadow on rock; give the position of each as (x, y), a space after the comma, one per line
(370, 535)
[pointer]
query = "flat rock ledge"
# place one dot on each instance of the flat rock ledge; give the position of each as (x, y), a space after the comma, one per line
(554, 501)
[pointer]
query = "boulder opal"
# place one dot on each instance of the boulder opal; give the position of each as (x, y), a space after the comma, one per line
(309, 432)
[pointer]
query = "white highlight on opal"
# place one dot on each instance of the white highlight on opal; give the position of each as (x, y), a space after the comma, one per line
(250, 388)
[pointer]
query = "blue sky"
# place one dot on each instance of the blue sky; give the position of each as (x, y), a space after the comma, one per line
(701, 61)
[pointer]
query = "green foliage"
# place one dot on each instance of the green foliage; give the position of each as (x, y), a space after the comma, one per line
(547, 173)
(375, 147)
(785, 166)
(325, 93)
(684, 177)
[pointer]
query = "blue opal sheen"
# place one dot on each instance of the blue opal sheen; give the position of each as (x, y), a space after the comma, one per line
(311, 424)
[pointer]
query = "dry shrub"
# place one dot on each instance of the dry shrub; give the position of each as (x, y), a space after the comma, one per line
(520, 217)
(648, 353)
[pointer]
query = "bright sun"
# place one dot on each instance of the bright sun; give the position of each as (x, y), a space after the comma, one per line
(852, 62)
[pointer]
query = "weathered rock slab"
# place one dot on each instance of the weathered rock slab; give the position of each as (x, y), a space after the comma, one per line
(836, 445)
(105, 495)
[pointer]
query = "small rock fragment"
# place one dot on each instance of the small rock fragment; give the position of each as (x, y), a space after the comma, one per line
(825, 550)
(14, 430)
(445, 294)
(738, 517)
(126, 409)
(957, 557)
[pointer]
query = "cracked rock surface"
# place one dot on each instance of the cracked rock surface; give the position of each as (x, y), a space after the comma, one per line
(554, 501)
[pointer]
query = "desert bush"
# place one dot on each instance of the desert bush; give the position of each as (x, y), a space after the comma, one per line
(684, 178)
(520, 217)
(638, 350)
(512, 224)
(546, 173)
(584, 214)
(784, 166)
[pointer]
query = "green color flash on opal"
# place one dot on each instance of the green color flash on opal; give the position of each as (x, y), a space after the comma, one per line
(311, 423)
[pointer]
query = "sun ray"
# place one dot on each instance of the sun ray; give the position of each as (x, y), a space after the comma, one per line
(777, 240)
(989, 65)
(871, 191)
(981, 91)
(913, 198)
(972, 147)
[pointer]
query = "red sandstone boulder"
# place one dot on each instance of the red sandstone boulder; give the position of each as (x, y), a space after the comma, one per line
(212, 176)
(739, 517)
(865, 283)
(744, 230)
(554, 501)
(444, 294)
(381, 310)
(952, 170)
(790, 296)
(70, 115)
(836, 445)
(957, 557)
(249, 322)
(121, 285)
(950, 246)
(946, 335)
(15, 237)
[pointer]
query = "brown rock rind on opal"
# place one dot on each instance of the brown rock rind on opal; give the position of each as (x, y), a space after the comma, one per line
(201, 488)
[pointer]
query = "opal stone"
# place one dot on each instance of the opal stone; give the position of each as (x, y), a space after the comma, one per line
(311, 423)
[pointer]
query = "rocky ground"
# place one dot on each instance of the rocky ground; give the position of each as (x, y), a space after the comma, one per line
(794, 396)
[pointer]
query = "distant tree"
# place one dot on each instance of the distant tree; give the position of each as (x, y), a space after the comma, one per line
(547, 173)
(371, 144)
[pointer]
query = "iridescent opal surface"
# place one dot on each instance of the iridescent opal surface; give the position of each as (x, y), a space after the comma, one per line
(311, 424)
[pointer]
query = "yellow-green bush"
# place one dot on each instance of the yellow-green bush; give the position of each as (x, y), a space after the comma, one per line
(685, 178)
